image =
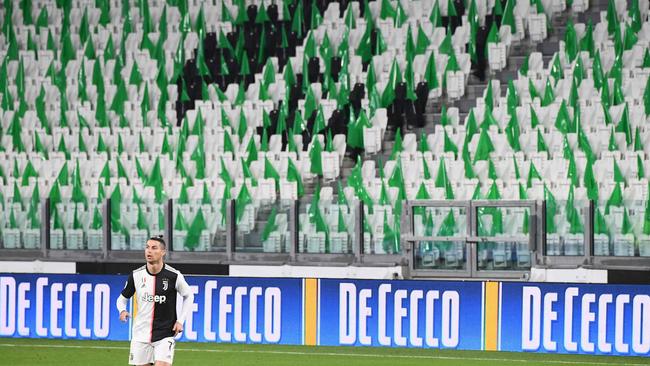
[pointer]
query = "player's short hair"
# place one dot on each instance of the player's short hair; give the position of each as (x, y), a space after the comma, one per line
(159, 239)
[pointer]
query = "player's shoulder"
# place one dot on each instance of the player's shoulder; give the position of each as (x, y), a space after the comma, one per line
(140, 269)
(172, 270)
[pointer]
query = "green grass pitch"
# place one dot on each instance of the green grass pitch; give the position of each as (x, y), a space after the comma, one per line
(18, 352)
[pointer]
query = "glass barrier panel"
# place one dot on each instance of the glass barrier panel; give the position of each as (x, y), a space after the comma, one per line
(507, 223)
(603, 245)
(440, 221)
(263, 227)
(132, 223)
(565, 227)
(620, 229)
(443, 223)
(326, 227)
(20, 225)
(93, 225)
(381, 230)
(342, 223)
(510, 221)
(503, 255)
(142, 220)
(199, 226)
(440, 254)
(76, 226)
(641, 214)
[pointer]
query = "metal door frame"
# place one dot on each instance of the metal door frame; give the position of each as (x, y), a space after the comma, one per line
(409, 240)
(470, 238)
(474, 239)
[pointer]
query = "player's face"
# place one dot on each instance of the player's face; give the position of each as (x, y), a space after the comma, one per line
(153, 252)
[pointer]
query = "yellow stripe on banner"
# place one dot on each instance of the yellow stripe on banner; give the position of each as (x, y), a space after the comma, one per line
(491, 315)
(311, 309)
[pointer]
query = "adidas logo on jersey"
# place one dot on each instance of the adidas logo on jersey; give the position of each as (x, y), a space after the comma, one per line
(154, 298)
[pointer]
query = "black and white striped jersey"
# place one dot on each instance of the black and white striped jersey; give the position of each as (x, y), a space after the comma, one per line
(155, 295)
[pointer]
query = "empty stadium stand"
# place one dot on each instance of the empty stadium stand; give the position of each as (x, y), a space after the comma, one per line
(454, 138)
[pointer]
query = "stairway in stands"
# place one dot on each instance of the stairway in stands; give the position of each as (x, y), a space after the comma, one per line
(476, 87)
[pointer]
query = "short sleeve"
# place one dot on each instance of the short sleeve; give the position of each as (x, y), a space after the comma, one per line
(129, 287)
(181, 286)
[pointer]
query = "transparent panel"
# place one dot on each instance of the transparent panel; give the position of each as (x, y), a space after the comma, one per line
(199, 225)
(122, 212)
(442, 223)
(92, 222)
(565, 227)
(216, 221)
(326, 227)
(641, 214)
(342, 222)
(620, 230)
(381, 230)
(20, 226)
(76, 226)
(263, 227)
(438, 254)
(602, 234)
(512, 224)
(503, 221)
(133, 221)
(503, 255)
(137, 222)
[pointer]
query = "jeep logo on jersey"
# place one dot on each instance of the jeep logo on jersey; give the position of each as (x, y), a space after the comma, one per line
(165, 283)
(154, 298)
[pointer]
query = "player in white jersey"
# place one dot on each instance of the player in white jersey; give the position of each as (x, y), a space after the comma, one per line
(156, 323)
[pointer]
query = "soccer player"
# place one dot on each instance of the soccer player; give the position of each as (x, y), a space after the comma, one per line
(156, 323)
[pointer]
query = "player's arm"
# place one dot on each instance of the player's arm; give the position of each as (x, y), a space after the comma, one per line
(188, 299)
(122, 300)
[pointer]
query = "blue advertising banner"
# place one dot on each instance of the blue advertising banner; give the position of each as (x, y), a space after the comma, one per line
(508, 316)
(225, 309)
(61, 306)
(428, 314)
(245, 310)
(583, 319)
